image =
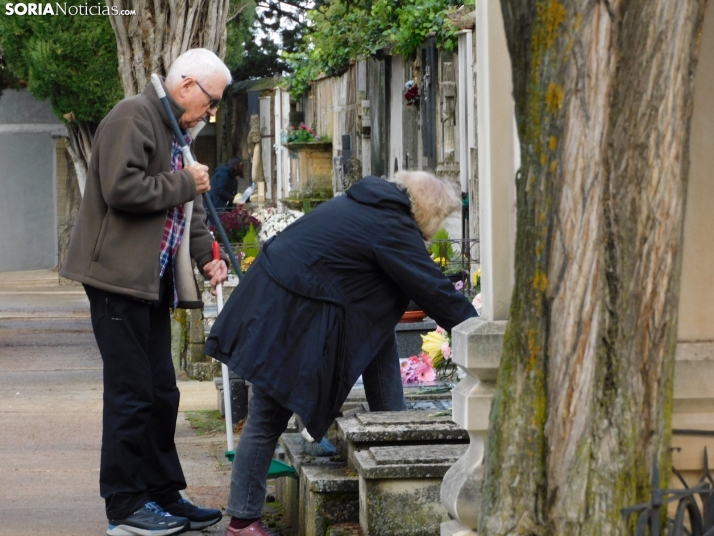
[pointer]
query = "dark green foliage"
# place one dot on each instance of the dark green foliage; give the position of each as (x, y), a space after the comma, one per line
(341, 31)
(256, 39)
(7, 79)
(70, 60)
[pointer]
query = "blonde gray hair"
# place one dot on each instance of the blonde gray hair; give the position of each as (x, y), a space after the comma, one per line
(432, 199)
(198, 63)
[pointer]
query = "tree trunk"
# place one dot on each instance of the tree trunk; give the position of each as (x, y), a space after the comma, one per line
(80, 149)
(151, 40)
(603, 93)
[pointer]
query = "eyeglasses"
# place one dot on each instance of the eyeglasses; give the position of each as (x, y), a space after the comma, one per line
(214, 102)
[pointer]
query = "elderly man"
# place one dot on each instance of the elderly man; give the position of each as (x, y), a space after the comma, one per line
(130, 225)
(318, 308)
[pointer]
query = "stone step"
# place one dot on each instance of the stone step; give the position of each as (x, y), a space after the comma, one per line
(399, 488)
(365, 430)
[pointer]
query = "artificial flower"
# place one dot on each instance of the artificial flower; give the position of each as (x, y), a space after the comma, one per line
(437, 345)
(476, 277)
(246, 262)
(426, 373)
(477, 301)
(274, 221)
(417, 369)
(432, 342)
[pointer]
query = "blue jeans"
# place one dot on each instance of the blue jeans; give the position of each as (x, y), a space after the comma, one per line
(267, 420)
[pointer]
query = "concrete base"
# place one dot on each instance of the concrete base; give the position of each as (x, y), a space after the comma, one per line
(203, 372)
(288, 490)
(455, 528)
(328, 495)
(399, 488)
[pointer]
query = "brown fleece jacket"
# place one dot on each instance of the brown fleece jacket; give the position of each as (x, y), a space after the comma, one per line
(116, 239)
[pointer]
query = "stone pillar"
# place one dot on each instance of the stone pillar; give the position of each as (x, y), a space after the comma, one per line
(282, 158)
(477, 343)
(266, 146)
(498, 160)
(477, 346)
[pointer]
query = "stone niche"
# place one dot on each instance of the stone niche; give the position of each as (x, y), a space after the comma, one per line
(310, 165)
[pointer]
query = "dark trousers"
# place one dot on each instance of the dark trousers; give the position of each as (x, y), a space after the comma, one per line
(267, 420)
(139, 462)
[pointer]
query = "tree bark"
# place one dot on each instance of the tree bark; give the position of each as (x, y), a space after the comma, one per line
(162, 30)
(603, 92)
(80, 149)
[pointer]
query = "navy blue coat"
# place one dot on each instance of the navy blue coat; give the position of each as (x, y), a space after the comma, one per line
(323, 298)
(224, 187)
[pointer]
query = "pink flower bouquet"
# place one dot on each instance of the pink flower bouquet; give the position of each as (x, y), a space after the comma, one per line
(418, 369)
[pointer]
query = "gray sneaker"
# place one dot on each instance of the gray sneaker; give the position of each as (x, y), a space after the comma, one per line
(149, 520)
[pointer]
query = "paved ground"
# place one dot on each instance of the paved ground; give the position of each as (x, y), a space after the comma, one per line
(50, 415)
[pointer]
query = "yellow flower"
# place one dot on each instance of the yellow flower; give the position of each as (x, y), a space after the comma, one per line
(477, 276)
(441, 261)
(432, 343)
(245, 263)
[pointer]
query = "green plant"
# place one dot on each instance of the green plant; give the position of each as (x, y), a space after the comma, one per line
(440, 248)
(307, 199)
(342, 31)
(72, 61)
(251, 243)
(237, 223)
(206, 422)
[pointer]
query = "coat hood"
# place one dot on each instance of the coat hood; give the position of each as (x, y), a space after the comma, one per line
(377, 192)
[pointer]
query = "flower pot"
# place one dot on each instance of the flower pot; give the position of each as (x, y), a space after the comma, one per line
(413, 316)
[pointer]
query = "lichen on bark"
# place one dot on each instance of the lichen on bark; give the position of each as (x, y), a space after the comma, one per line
(603, 94)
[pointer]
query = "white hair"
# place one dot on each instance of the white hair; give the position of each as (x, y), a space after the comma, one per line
(198, 63)
(432, 199)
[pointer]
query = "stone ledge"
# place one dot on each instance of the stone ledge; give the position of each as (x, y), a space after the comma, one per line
(328, 479)
(381, 427)
(292, 445)
(422, 461)
(695, 351)
(426, 325)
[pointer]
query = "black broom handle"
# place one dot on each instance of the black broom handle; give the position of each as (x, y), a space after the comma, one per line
(188, 159)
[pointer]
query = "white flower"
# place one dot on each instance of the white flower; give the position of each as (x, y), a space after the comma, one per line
(274, 221)
(477, 301)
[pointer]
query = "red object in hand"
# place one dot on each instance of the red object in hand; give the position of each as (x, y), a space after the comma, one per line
(216, 252)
